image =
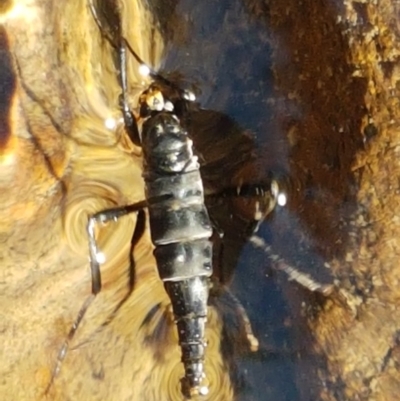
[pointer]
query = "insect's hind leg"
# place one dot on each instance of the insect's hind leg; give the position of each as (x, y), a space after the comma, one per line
(100, 217)
(292, 272)
(244, 321)
(220, 288)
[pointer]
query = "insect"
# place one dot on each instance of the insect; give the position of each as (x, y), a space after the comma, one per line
(180, 231)
(180, 224)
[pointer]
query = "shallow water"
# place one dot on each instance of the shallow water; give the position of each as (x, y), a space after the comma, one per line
(303, 90)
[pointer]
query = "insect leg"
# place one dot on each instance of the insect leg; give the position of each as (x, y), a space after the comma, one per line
(119, 43)
(244, 320)
(64, 349)
(103, 217)
(220, 286)
(279, 264)
(129, 119)
(246, 191)
(267, 195)
(100, 217)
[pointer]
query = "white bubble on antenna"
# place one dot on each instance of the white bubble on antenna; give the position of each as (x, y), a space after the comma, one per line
(144, 70)
(110, 123)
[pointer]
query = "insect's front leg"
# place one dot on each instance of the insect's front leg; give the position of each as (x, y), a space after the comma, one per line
(129, 119)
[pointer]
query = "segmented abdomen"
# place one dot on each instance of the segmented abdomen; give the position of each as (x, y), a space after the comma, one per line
(180, 231)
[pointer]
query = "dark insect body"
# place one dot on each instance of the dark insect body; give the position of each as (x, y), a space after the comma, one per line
(180, 231)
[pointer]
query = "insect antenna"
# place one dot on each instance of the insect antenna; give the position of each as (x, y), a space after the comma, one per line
(294, 274)
(105, 32)
(121, 44)
(146, 70)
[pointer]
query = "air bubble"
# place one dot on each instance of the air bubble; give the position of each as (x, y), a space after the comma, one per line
(188, 95)
(110, 123)
(282, 199)
(144, 70)
(203, 390)
(100, 257)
